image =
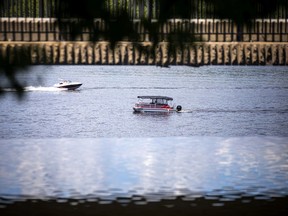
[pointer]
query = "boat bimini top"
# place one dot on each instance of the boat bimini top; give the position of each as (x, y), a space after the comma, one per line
(156, 97)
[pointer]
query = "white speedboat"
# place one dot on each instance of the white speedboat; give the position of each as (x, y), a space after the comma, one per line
(67, 84)
(155, 104)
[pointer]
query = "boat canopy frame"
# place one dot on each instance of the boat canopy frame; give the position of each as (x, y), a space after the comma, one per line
(156, 97)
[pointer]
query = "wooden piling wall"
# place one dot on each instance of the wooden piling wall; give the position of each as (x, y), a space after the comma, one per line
(127, 53)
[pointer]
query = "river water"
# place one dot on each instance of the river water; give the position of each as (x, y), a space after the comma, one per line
(216, 101)
(230, 136)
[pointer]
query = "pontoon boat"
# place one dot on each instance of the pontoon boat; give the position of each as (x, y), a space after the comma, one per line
(155, 104)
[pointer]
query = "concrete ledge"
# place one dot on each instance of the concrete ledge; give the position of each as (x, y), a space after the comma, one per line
(162, 54)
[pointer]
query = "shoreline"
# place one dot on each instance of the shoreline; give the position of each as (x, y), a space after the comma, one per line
(129, 53)
(137, 205)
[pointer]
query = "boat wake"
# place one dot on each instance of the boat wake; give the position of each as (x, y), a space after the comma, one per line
(44, 89)
(36, 88)
(271, 110)
(185, 111)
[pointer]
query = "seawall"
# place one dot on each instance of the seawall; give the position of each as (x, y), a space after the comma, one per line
(213, 30)
(128, 53)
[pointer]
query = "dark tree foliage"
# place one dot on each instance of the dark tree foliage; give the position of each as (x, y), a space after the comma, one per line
(244, 11)
(118, 25)
(119, 22)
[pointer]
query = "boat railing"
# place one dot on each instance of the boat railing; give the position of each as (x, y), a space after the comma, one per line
(152, 105)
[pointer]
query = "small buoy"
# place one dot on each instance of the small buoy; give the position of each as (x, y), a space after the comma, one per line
(178, 108)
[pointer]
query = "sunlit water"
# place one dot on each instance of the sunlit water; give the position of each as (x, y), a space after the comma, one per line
(230, 140)
(157, 167)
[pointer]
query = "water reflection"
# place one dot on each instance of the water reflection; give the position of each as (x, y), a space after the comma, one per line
(205, 166)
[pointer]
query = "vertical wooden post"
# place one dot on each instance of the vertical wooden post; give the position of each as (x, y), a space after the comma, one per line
(224, 31)
(38, 30)
(286, 54)
(30, 30)
(217, 31)
(22, 30)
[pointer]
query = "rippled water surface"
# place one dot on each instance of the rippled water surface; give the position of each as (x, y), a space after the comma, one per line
(114, 167)
(230, 140)
(216, 101)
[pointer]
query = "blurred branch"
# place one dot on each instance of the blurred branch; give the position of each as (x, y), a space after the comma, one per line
(11, 62)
